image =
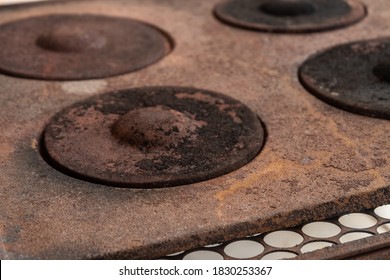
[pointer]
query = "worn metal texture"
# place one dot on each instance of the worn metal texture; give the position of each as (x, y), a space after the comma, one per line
(317, 161)
(290, 16)
(153, 137)
(353, 77)
(77, 47)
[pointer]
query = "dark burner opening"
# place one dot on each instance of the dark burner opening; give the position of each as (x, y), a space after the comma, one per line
(284, 8)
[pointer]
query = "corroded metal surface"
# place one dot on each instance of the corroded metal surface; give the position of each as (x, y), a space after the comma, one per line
(290, 16)
(76, 47)
(318, 161)
(153, 137)
(353, 77)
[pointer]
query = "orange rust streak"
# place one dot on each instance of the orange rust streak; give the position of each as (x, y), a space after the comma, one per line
(34, 144)
(332, 126)
(253, 178)
(6, 150)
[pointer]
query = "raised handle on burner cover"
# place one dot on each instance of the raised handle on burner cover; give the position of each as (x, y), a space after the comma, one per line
(154, 126)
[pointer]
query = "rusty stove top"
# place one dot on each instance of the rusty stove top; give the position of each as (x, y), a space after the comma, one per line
(317, 161)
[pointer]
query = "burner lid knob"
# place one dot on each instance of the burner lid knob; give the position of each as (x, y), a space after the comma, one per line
(71, 39)
(157, 126)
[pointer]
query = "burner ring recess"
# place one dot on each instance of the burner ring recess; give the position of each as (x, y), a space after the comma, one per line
(153, 137)
(290, 16)
(78, 47)
(354, 77)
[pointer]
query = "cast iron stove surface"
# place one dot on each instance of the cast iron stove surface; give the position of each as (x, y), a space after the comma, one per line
(317, 162)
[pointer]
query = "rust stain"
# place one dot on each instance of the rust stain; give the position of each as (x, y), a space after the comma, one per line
(251, 179)
(379, 180)
(6, 150)
(331, 125)
(279, 165)
(34, 144)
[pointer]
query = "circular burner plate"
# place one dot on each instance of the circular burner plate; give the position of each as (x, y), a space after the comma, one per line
(343, 76)
(220, 135)
(77, 47)
(327, 15)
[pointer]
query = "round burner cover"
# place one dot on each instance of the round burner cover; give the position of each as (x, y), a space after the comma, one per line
(153, 137)
(354, 77)
(76, 47)
(290, 15)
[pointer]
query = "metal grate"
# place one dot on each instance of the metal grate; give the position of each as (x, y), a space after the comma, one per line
(294, 242)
